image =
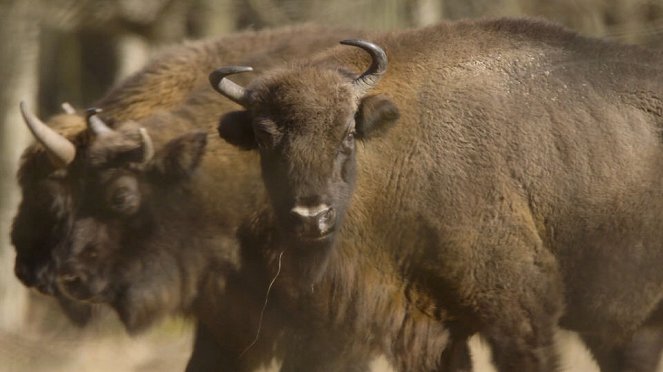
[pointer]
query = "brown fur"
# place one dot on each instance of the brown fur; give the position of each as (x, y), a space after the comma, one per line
(167, 247)
(523, 179)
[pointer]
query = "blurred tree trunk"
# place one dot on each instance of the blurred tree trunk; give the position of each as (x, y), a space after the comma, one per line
(133, 51)
(213, 17)
(426, 12)
(19, 37)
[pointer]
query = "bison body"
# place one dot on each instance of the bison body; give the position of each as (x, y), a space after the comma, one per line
(149, 229)
(508, 169)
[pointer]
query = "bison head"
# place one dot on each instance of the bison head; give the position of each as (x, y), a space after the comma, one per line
(305, 122)
(129, 200)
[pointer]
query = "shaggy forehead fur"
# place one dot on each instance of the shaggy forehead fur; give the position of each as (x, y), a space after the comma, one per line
(305, 101)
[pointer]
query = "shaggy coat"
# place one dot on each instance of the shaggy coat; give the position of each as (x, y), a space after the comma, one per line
(157, 238)
(521, 187)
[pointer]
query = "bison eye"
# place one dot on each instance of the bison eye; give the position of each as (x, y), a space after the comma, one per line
(124, 197)
(124, 201)
(266, 133)
(263, 138)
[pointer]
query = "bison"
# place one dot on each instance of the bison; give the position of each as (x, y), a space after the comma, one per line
(149, 227)
(510, 170)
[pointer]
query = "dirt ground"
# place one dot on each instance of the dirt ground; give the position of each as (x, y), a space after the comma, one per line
(167, 348)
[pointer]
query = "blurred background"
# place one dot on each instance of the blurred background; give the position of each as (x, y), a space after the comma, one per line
(74, 50)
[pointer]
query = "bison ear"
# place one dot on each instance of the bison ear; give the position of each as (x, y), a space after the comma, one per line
(235, 128)
(376, 114)
(180, 156)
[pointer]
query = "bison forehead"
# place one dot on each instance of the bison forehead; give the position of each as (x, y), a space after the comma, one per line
(304, 100)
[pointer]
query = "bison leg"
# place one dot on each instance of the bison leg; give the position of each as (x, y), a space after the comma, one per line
(456, 356)
(325, 351)
(510, 288)
(641, 354)
(530, 351)
(206, 354)
(521, 328)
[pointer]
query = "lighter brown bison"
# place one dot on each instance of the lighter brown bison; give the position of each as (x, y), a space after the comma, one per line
(509, 169)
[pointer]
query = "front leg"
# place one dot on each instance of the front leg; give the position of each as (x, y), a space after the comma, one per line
(207, 356)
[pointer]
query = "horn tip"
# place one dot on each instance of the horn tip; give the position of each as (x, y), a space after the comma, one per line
(217, 75)
(68, 108)
(354, 42)
(92, 111)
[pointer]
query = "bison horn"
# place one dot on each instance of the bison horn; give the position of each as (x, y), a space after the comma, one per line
(95, 124)
(378, 65)
(67, 108)
(148, 146)
(228, 88)
(60, 150)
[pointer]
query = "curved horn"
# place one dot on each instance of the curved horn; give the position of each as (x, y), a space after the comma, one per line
(235, 92)
(67, 108)
(370, 77)
(60, 150)
(95, 124)
(148, 146)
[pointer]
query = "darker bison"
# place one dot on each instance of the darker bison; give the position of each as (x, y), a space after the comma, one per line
(152, 235)
(508, 169)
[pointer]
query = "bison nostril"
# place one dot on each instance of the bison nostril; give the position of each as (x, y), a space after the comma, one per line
(328, 215)
(313, 221)
(307, 213)
(326, 220)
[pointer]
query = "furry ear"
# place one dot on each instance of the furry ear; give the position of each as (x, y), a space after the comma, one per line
(376, 114)
(235, 128)
(180, 156)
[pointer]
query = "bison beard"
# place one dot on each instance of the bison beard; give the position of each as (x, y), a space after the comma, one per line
(523, 178)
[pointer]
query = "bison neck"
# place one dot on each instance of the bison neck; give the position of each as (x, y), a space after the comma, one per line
(358, 302)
